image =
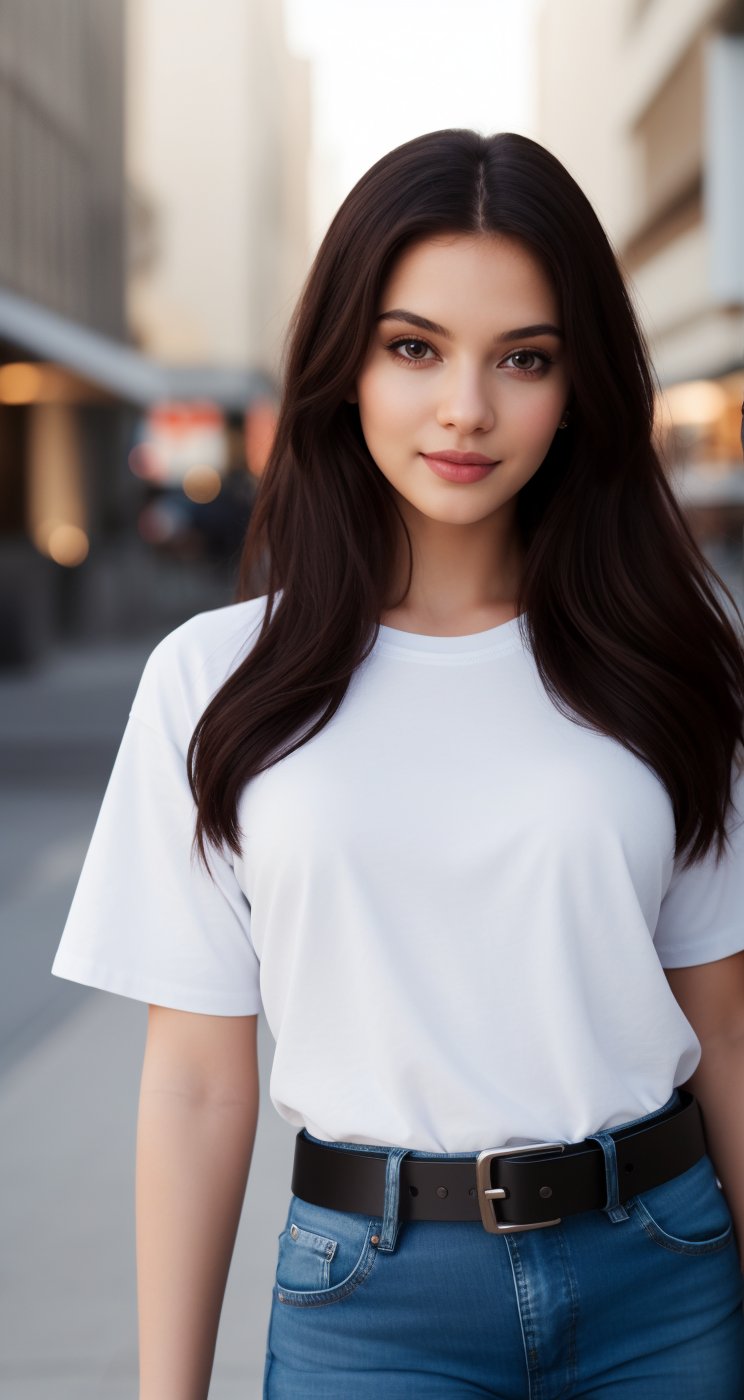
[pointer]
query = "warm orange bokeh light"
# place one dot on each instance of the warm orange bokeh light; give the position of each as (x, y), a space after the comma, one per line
(202, 484)
(64, 543)
(20, 383)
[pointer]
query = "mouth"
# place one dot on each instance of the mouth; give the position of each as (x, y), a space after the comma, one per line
(452, 467)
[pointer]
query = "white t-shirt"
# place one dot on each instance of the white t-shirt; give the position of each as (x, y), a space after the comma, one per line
(454, 904)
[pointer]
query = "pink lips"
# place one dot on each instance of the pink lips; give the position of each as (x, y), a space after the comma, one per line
(462, 459)
(459, 466)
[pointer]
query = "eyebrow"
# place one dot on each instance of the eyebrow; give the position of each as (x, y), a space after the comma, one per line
(541, 328)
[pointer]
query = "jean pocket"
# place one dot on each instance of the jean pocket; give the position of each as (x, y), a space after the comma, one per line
(687, 1215)
(323, 1254)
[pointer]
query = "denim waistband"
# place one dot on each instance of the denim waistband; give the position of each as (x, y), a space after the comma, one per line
(383, 1151)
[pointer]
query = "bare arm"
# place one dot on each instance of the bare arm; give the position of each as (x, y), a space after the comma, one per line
(198, 1110)
(712, 998)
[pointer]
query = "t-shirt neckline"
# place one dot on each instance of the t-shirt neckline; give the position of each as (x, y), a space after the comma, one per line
(505, 636)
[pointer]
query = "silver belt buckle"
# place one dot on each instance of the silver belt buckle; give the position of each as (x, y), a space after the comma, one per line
(488, 1195)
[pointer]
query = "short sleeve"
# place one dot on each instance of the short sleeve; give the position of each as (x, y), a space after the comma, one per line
(702, 913)
(146, 920)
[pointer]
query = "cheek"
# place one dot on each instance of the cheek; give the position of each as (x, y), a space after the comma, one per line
(385, 403)
(535, 420)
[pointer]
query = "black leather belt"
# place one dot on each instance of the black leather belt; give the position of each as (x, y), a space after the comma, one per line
(505, 1188)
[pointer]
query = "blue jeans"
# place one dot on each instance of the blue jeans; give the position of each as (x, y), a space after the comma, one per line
(634, 1302)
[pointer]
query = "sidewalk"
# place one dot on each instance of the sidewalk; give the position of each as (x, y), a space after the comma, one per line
(62, 720)
(69, 1325)
(60, 727)
(70, 1061)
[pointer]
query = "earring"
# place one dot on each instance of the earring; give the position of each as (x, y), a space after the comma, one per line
(564, 420)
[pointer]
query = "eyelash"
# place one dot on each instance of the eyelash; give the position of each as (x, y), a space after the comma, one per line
(544, 359)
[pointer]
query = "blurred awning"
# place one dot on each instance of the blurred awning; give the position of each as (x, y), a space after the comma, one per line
(118, 369)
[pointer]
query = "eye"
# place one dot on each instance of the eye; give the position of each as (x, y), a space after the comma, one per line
(539, 355)
(408, 341)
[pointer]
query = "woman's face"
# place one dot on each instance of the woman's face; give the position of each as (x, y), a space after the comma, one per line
(477, 382)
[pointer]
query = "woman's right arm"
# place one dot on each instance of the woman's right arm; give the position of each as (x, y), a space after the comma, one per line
(198, 1110)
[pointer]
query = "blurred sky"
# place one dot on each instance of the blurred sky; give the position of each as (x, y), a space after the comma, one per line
(387, 70)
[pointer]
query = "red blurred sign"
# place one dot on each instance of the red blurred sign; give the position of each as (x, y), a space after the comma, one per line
(176, 437)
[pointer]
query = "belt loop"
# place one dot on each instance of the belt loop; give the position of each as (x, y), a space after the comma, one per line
(391, 1223)
(612, 1206)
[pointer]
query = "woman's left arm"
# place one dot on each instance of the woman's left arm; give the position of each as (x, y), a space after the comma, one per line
(711, 996)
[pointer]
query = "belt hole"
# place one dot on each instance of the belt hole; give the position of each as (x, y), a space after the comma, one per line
(628, 1167)
(413, 1190)
(471, 1191)
(545, 1192)
(442, 1191)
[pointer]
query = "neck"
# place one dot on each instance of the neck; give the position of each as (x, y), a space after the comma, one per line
(465, 577)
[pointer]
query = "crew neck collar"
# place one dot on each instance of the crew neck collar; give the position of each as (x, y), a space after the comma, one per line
(506, 636)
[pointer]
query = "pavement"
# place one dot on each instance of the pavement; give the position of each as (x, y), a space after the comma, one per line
(70, 1062)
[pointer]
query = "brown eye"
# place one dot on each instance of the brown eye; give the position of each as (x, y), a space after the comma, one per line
(410, 343)
(540, 361)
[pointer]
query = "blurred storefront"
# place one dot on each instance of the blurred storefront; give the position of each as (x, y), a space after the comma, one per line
(699, 427)
(125, 490)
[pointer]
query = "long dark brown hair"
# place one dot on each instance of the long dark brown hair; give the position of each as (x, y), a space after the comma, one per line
(624, 616)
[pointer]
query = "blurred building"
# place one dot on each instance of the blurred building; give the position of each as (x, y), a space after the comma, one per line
(218, 131)
(62, 233)
(643, 100)
(152, 238)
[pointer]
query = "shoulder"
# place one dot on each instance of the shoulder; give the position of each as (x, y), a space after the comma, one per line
(191, 663)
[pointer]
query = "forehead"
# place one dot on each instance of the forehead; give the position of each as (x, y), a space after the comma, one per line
(450, 276)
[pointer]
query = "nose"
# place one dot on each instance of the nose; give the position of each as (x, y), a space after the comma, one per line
(464, 403)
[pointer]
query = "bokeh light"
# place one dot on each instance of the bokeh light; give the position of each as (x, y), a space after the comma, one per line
(66, 544)
(20, 383)
(202, 484)
(696, 402)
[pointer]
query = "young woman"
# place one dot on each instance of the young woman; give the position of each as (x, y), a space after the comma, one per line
(459, 801)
